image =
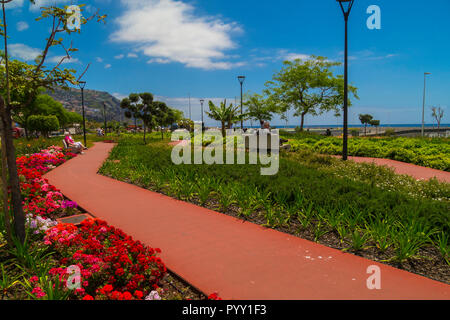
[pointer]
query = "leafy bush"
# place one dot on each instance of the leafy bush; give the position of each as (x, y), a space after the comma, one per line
(43, 124)
(433, 153)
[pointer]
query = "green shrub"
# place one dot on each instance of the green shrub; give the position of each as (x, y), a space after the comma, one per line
(43, 124)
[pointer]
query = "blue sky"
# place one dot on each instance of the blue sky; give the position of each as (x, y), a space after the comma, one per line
(179, 48)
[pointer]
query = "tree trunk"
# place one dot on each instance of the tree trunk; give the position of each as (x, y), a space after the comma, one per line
(16, 197)
(261, 122)
(223, 129)
(7, 217)
(145, 142)
(303, 121)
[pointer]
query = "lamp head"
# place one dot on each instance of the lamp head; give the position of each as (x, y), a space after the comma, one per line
(201, 101)
(241, 79)
(81, 84)
(346, 6)
(427, 73)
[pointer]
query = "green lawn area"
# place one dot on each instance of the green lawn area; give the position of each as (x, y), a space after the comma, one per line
(361, 208)
(427, 152)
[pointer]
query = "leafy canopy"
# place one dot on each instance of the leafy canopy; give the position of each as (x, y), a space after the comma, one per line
(308, 86)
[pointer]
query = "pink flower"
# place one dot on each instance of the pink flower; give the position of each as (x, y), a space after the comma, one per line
(153, 296)
(38, 292)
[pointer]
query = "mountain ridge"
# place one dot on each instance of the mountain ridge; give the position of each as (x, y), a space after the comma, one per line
(93, 103)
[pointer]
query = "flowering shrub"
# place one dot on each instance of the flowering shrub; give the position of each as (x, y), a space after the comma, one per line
(112, 264)
(41, 198)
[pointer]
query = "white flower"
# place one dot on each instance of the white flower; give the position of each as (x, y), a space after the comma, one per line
(153, 296)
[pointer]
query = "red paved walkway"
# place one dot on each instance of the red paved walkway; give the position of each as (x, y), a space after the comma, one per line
(215, 252)
(413, 170)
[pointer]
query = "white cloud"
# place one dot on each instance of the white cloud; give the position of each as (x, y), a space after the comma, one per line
(98, 59)
(24, 52)
(132, 55)
(369, 55)
(44, 3)
(14, 4)
(120, 56)
(119, 95)
(169, 30)
(22, 26)
(159, 60)
(107, 66)
(57, 59)
(295, 56)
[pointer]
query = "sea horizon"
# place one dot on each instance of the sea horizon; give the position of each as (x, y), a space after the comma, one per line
(319, 126)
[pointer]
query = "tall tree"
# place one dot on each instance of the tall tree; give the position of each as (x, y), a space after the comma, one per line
(376, 124)
(131, 105)
(437, 114)
(258, 108)
(44, 105)
(33, 77)
(140, 106)
(365, 120)
(308, 86)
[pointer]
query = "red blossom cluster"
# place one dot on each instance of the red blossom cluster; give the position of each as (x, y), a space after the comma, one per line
(40, 198)
(112, 264)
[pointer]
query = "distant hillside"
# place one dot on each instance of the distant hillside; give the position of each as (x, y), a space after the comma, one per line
(93, 103)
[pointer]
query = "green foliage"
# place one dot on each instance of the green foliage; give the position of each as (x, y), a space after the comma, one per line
(226, 115)
(152, 113)
(309, 87)
(7, 282)
(433, 153)
(258, 108)
(43, 124)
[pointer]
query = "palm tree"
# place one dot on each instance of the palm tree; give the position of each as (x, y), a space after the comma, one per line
(227, 116)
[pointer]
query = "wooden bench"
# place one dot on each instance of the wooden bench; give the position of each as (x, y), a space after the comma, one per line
(70, 149)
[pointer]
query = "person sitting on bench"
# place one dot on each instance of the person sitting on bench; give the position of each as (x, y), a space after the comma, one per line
(72, 144)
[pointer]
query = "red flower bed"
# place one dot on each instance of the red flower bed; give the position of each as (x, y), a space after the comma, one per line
(112, 264)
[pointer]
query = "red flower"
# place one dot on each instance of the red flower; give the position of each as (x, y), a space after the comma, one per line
(107, 288)
(116, 295)
(214, 296)
(127, 296)
(120, 272)
(138, 294)
(88, 297)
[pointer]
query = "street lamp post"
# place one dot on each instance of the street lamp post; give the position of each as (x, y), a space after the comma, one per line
(104, 116)
(201, 103)
(346, 6)
(82, 84)
(423, 107)
(190, 114)
(241, 81)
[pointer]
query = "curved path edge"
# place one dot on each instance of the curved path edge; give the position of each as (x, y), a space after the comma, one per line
(216, 252)
(413, 170)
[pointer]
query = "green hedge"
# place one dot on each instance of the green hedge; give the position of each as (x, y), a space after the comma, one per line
(43, 124)
(433, 153)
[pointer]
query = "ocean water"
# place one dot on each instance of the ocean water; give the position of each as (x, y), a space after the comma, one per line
(361, 126)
